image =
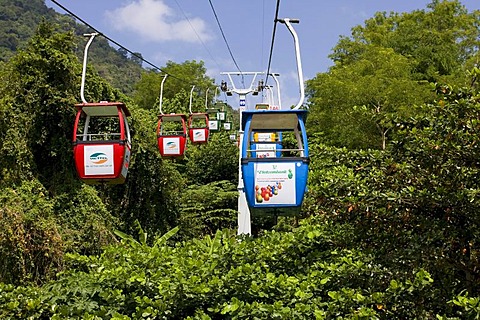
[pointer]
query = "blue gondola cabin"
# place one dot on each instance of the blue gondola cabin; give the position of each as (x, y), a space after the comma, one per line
(275, 177)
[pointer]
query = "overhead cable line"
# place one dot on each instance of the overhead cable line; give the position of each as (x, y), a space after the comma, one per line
(225, 40)
(273, 41)
(114, 42)
(198, 36)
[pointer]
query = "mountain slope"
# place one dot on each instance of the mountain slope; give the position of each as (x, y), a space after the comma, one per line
(20, 18)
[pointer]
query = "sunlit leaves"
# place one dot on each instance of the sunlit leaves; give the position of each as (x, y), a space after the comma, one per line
(280, 275)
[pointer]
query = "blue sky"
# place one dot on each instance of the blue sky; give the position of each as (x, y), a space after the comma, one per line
(180, 30)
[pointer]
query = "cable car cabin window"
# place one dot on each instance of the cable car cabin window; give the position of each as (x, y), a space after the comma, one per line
(276, 145)
(291, 146)
(99, 129)
(199, 122)
(172, 128)
(285, 142)
(265, 145)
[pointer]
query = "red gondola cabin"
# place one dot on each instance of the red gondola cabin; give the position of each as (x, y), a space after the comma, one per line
(198, 128)
(101, 142)
(172, 135)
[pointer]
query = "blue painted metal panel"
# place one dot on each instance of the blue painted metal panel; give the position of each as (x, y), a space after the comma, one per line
(275, 184)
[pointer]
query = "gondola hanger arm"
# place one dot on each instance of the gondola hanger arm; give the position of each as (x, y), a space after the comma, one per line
(85, 59)
(191, 99)
(288, 22)
(206, 99)
(161, 93)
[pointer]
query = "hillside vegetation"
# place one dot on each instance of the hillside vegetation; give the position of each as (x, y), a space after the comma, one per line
(389, 227)
(20, 18)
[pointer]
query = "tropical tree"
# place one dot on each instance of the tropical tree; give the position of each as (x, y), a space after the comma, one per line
(38, 97)
(381, 71)
(438, 40)
(181, 78)
(205, 164)
(153, 187)
(354, 105)
(414, 205)
(45, 210)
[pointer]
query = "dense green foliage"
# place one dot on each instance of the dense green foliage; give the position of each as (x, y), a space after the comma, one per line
(311, 273)
(39, 88)
(35, 131)
(18, 21)
(383, 69)
(389, 233)
(415, 206)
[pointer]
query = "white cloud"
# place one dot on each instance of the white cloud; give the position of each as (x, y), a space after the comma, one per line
(153, 20)
(354, 13)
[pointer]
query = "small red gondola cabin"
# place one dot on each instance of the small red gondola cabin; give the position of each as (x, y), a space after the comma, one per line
(198, 129)
(101, 142)
(172, 135)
